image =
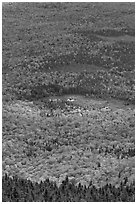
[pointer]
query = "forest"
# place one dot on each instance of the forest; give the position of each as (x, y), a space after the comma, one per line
(68, 102)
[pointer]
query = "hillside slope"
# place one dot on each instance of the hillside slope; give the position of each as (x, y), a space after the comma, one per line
(69, 92)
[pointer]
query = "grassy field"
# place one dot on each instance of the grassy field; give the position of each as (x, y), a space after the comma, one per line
(56, 51)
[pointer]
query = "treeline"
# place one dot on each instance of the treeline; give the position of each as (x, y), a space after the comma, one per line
(21, 190)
